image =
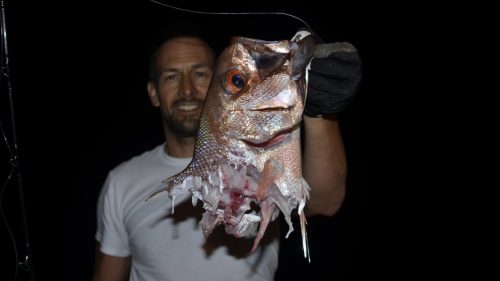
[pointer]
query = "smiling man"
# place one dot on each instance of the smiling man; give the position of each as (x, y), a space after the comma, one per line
(138, 240)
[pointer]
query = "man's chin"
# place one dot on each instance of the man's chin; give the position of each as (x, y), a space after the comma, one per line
(182, 125)
(185, 129)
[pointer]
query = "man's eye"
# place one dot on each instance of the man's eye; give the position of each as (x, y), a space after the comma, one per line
(234, 81)
(200, 74)
(170, 77)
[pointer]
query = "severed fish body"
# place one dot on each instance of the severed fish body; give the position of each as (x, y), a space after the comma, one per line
(247, 158)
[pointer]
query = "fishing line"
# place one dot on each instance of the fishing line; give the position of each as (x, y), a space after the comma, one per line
(233, 13)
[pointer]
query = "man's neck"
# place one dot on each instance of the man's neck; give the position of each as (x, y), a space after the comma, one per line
(179, 147)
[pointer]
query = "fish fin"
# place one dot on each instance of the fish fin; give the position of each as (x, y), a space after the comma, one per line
(270, 173)
(266, 213)
(169, 189)
(305, 242)
(305, 189)
(164, 187)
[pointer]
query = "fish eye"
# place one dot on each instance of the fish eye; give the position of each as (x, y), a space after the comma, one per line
(234, 81)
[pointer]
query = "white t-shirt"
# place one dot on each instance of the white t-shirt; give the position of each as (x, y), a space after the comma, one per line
(167, 246)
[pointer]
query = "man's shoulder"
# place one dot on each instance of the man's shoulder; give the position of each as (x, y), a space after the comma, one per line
(139, 162)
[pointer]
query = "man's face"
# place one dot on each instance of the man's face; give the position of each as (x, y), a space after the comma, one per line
(184, 66)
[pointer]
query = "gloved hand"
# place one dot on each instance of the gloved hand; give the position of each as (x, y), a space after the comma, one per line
(334, 78)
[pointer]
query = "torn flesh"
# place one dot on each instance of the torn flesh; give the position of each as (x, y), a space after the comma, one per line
(242, 199)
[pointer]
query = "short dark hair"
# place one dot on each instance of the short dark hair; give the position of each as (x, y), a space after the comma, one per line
(172, 31)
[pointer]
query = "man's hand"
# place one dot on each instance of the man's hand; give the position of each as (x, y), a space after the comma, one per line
(334, 78)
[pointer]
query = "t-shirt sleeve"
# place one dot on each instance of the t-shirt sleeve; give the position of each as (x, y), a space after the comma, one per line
(111, 232)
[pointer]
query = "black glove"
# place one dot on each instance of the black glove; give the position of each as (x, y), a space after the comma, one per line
(334, 78)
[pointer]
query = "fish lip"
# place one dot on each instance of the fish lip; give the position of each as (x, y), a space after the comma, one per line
(273, 141)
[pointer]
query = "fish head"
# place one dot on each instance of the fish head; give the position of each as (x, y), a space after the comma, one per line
(247, 156)
(258, 89)
(253, 109)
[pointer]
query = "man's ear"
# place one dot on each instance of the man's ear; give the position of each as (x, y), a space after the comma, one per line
(153, 94)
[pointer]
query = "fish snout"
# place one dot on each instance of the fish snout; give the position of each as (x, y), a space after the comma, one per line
(285, 99)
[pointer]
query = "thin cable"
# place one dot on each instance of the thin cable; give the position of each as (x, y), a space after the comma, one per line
(6, 141)
(4, 218)
(233, 13)
(4, 52)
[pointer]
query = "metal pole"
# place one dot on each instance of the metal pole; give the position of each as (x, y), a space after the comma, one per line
(26, 264)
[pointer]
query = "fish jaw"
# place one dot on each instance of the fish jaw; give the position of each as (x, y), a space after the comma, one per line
(257, 127)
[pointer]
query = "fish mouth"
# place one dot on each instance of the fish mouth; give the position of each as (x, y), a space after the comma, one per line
(275, 140)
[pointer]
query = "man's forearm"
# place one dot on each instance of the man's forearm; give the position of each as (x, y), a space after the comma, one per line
(324, 165)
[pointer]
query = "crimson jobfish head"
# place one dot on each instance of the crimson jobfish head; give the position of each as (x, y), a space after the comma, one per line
(253, 109)
(247, 157)
(258, 89)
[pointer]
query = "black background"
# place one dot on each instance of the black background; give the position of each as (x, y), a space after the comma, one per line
(78, 72)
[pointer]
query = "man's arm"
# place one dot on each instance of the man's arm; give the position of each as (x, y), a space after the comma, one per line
(334, 78)
(109, 268)
(324, 165)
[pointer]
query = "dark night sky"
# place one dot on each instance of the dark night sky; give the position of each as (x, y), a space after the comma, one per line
(79, 75)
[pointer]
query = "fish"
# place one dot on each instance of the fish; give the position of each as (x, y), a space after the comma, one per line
(246, 166)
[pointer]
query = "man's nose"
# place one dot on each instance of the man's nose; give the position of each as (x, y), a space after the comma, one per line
(187, 87)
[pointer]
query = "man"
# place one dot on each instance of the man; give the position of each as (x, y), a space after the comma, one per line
(138, 241)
